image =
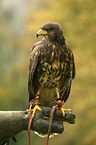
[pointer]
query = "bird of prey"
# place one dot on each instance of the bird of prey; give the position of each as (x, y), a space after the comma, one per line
(51, 69)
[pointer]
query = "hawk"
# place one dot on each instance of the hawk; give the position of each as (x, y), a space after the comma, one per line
(51, 69)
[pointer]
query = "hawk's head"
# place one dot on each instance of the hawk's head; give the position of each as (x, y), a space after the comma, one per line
(53, 31)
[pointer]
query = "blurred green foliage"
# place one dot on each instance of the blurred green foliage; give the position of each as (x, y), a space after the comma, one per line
(19, 22)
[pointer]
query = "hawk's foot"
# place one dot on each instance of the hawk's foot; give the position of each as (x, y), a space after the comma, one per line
(59, 107)
(64, 110)
(36, 107)
(28, 110)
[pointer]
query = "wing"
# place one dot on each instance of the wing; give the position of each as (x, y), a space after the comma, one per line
(73, 67)
(71, 75)
(66, 91)
(32, 67)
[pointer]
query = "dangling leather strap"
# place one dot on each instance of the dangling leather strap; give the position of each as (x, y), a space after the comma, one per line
(50, 122)
(29, 125)
(32, 104)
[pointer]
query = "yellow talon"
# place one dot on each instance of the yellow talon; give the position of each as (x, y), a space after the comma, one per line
(28, 110)
(68, 110)
(37, 107)
(60, 104)
(62, 110)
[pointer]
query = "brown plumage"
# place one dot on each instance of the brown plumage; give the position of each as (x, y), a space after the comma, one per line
(51, 67)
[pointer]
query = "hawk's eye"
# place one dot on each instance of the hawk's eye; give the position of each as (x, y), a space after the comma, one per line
(49, 29)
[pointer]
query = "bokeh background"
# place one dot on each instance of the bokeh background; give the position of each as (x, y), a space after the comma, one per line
(19, 22)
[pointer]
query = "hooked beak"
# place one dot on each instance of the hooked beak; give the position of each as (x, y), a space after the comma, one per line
(41, 32)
